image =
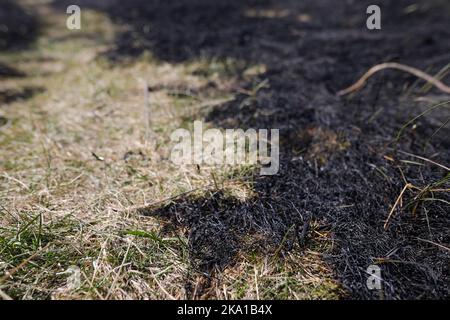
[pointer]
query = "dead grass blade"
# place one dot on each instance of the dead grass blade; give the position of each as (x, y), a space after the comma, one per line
(393, 65)
(434, 243)
(399, 198)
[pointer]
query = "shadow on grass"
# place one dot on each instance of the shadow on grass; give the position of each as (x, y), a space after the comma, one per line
(7, 71)
(10, 96)
(18, 29)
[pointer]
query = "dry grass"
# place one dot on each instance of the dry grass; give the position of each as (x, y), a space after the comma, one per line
(75, 160)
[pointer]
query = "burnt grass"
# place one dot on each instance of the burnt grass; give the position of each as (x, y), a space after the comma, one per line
(341, 167)
(17, 27)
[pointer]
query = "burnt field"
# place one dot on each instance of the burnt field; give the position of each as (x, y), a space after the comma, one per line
(363, 179)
